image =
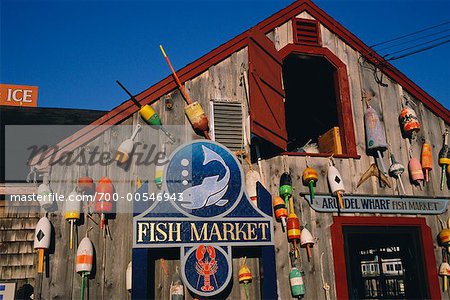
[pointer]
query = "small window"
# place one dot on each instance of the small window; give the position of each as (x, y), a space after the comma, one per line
(226, 119)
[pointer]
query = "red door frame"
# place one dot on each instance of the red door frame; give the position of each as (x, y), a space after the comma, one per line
(344, 104)
(337, 241)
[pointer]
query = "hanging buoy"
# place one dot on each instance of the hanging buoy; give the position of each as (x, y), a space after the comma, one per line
(375, 134)
(176, 287)
(336, 183)
(409, 121)
(45, 193)
(84, 261)
(125, 149)
(293, 231)
(85, 185)
(396, 170)
(193, 110)
(72, 208)
(103, 200)
(444, 236)
(307, 241)
(159, 167)
(444, 158)
(286, 188)
(245, 276)
(426, 159)
(148, 114)
(281, 212)
(310, 178)
(129, 277)
(415, 171)
(42, 238)
(444, 272)
(296, 283)
(251, 178)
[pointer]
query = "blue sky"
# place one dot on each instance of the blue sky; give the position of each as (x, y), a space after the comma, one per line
(75, 50)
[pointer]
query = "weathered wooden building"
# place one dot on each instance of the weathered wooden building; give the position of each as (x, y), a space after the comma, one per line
(287, 80)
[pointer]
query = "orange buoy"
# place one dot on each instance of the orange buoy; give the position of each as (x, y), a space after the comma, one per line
(84, 261)
(310, 178)
(415, 171)
(409, 121)
(293, 231)
(281, 212)
(427, 160)
(103, 198)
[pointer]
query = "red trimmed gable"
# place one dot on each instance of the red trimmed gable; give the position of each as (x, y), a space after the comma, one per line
(152, 94)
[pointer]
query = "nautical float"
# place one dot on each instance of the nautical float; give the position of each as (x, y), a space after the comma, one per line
(42, 238)
(409, 121)
(176, 287)
(426, 159)
(286, 188)
(444, 272)
(129, 277)
(45, 193)
(72, 208)
(444, 158)
(126, 147)
(245, 276)
(310, 177)
(336, 183)
(293, 230)
(307, 241)
(281, 212)
(396, 170)
(415, 171)
(375, 134)
(103, 200)
(84, 262)
(296, 283)
(251, 178)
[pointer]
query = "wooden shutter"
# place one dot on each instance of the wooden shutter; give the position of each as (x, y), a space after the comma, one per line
(266, 90)
(306, 32)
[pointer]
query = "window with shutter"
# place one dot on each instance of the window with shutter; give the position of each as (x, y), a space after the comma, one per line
(266, 90)
(226, 121)
(306, 32)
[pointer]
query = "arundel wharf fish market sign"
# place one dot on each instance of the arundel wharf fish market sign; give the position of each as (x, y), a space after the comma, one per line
(380, 204)
(209, 214)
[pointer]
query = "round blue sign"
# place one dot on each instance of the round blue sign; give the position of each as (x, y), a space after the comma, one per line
(206, 269)
(206, 177)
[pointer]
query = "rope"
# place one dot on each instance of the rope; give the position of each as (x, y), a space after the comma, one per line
(325, 284)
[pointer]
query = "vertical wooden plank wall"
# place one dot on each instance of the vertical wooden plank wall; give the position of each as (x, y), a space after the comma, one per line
(222, 81)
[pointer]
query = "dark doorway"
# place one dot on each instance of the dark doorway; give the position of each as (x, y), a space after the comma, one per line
(384, 263)
(311, 106)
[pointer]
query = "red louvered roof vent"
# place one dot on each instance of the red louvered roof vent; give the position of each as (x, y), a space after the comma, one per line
(306, 32)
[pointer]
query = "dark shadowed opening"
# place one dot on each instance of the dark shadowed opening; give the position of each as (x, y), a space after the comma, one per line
(311, 110)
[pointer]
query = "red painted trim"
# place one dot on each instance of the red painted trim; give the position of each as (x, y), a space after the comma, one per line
(166, 85)
(339, 255)
(344, 103)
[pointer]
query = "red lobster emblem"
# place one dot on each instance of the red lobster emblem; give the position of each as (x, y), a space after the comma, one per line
(206, 267)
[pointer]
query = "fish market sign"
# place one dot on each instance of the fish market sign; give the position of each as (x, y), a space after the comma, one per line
(210, 215)
(380, 204)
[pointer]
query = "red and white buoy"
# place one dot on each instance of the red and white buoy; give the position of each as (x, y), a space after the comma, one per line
(84, 261)
(251, 178)
(415, 171)
(42, 238)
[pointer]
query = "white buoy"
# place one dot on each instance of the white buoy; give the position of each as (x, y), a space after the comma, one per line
(251, 178)
(42, 238)
(84, 261)
(129, 277)
(125, 149)
(336, 183)
(307, 241)
(44, 192)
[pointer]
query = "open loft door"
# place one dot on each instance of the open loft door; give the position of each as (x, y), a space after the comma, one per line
(266, 90)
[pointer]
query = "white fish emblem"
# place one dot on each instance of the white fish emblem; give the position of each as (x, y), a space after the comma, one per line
(211, 190)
